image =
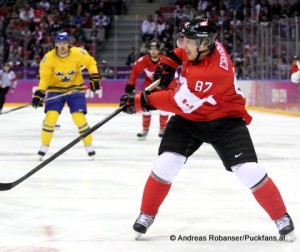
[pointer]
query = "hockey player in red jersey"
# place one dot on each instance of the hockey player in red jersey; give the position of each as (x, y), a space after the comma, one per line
(295, 70)
(147, 64)
(209, 107)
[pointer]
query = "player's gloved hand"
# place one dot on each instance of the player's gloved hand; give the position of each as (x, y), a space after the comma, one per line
(37, 100)
(165, 73)
(166, 68)
(135, 102)
(95, 82)
(129, 88)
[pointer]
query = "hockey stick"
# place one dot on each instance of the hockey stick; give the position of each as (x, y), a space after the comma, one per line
(52, 98)
(29, 104)
(14, 109)
(8, 186)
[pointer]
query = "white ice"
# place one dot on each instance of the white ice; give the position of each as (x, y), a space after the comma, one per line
(74, 204)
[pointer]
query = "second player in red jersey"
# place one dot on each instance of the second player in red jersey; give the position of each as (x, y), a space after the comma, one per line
(147, 65)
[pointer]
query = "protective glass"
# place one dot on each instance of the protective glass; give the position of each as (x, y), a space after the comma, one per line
(184, 43)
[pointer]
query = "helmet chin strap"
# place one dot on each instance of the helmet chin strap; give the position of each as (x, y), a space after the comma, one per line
(210, 47)
(199, 53)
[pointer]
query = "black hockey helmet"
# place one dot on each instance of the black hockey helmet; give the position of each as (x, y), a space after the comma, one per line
(296, 57)
(201, 28)
(154, 45)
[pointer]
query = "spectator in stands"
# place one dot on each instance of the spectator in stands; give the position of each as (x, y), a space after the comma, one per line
(26, 14)
(55, 25)
(78, 19)
(181, 17)
(106, 72)
(15, 46)
(62, 6)
(35, 62)
(166, 38)
(202, 5)
(131, 57)
(161, 25)
(37, 34)
(12, 30)
(148, 28)
(15, 58)
(79, 34)
(36, 48)
(44, 27)
(296, 8)
(96, 36)
(263, 10)
(276, 10)
(102, 21)
(189, 9)
(88, 21)
(39, 13)
(45, 5)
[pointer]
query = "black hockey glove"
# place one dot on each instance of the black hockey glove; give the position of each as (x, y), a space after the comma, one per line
(165, 70)
(165, 73)
(135, 102)
(129, 88)
(37, 100)
(95, 82)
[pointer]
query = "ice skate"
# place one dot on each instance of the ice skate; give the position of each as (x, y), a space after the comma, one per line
(90, 151)
(42, 152)
(161, 132)
(143, 134)
(286, 228)
(141, 225)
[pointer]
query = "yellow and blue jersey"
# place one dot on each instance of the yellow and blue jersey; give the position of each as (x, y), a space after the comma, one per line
(64, 74)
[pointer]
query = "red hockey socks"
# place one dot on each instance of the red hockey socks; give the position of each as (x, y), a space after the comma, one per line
(146, 121)
(154, 194)
(163, 120)
(268, 196)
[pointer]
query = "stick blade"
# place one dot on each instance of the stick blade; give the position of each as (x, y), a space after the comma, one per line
(6, 186)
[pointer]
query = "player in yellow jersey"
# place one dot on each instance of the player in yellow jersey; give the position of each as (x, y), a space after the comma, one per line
(60, 73)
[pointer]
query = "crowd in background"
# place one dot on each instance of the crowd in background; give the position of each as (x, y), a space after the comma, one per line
(27, 28)
(239, 23)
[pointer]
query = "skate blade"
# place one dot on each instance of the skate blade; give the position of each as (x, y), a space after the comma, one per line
(291, 237)
(40, 158)
(141, 138)
(138, 236)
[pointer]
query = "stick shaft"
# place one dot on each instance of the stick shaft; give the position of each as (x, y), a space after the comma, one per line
(8, 186)
(29, 104)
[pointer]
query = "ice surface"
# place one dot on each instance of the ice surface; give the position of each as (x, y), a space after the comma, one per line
(75, 204)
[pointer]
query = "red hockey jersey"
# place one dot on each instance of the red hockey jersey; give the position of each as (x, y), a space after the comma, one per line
(294, 69)
(208, 89)
(143, 64)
